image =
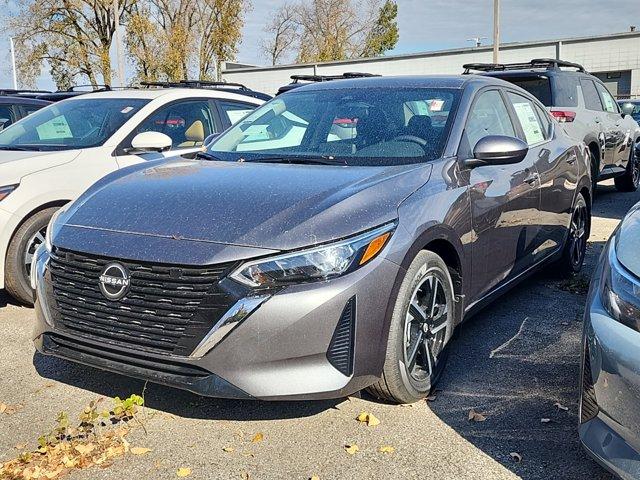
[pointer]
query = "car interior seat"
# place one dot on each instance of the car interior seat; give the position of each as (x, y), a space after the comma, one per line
(194, 135)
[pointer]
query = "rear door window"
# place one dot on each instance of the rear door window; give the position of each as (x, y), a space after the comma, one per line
(235, 111)
(590, 94)
(565, 90)
(609, 103)
(529, 121)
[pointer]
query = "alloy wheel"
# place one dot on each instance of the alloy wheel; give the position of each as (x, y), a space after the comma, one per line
(425, 326)
(578, 235)
(34, 242)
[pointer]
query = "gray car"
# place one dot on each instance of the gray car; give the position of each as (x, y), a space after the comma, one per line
(609, 415)
(331, 241)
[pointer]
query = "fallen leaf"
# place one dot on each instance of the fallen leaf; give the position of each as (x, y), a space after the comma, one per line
(258, 437)
(387, 449)
(228, 449)
(545, 420)
(516, 456)
(10, 409)
(139, 450)
(183, 472)
(351, 449)
(85, 449)
(20, 446)
(559, 406)
(475, 416)
(314, 477)
(244, 475)
(368, 418)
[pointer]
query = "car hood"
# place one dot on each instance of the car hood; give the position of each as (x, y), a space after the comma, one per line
(16, 164)
(271, 206)
(628, 241)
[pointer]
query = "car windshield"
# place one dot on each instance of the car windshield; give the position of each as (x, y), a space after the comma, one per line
(71, 124)
(355, 126)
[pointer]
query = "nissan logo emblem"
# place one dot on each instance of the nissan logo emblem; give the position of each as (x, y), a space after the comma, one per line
(114, 281)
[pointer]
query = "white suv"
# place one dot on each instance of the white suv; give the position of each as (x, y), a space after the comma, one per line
(53, 155)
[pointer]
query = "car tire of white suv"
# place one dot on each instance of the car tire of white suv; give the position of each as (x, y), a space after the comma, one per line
(25, 240)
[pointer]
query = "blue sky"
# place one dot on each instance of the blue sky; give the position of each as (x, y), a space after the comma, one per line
(439, 24)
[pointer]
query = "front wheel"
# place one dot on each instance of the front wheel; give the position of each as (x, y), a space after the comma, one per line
(29, 236)
(630, 181)
(421, 326)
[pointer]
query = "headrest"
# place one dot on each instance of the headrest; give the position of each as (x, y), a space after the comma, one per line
(195, 132)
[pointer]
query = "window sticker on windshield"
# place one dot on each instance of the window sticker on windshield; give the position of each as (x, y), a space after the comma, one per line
(529, 122)
(54, 129)
(126, 110)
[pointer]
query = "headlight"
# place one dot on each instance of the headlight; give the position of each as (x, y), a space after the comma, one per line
(321, 263)
(620, 291)
(51, 228)
(6, 190)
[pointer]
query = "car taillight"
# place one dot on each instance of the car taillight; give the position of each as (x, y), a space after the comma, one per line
(563, 115)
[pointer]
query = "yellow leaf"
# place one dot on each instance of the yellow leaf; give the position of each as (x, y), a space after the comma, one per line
(368, 418)
(387, 449)
(351, 449)
(475, 416)
(258, 437)
(183, 472)
(228, 449)
(139, 450)
(85, 449)
(314, 477)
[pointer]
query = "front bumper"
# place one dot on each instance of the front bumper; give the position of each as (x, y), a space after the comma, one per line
(279, 352)
(610, 397)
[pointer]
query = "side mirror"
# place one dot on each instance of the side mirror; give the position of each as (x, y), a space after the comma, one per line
(209, 139)
(146, 142)
(498, 150)
(627, 108)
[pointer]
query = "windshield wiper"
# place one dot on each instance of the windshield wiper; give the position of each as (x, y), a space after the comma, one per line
(18, 149)
(208, 156)
(320, 160)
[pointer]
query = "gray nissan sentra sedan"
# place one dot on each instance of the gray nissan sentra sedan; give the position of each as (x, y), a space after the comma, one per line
(610, 395)
(331, 241)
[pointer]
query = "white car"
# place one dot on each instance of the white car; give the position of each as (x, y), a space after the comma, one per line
(53, 155)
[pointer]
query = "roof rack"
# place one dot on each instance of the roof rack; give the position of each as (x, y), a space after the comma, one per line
(96, 88)
(548, 63)
(326, 78)
(195, 84)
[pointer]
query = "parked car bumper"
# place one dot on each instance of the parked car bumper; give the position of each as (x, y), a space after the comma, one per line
(285, 349)
(610, 395)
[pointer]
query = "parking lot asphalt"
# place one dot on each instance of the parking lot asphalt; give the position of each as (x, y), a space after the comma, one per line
(514, 362)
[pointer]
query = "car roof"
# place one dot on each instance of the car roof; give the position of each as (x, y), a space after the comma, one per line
(17, 99)
(169, 93)
(402, 81)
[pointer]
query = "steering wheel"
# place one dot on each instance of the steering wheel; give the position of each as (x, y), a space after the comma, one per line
(411, 138)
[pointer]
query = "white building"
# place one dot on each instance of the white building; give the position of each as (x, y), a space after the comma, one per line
(615, 59)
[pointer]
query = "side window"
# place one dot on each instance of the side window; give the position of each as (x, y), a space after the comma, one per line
(488, 116)
(529, 121)
(590, 94)
(187, 123)
(235, 111)
(6, 117)
(609, 103)
(29, 109)
(545, 121)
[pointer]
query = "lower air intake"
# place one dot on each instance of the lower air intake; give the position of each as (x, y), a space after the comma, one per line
(340, 353)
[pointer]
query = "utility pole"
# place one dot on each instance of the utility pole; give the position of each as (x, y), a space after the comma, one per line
(13, 64)
(496, 30)
(118, 40)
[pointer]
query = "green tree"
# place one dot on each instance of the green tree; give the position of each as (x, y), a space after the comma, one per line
(384, 35)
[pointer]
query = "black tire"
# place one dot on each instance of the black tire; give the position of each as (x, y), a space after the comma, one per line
(575, 246)
(631, 179)
(28, 237)
(400, 383)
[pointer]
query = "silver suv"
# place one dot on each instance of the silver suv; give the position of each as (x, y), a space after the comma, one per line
(586, 109)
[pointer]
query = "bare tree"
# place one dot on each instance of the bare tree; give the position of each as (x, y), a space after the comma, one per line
(282, 34)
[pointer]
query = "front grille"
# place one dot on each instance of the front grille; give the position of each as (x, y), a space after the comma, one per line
(168, 309)
(340, 352)
(589, 407)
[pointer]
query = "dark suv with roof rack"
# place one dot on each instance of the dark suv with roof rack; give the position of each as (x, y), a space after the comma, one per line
(14, 106)
(301, 80)
(587, 110)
